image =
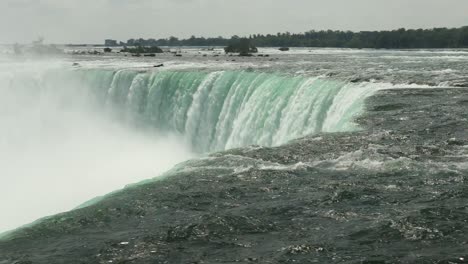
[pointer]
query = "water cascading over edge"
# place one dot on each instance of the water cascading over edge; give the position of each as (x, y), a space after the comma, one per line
(223, 109)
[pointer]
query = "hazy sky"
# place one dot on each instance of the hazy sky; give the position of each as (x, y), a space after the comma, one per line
(91, 21)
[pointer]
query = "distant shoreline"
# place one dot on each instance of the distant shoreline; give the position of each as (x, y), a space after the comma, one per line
(399, 39)
(436, 38)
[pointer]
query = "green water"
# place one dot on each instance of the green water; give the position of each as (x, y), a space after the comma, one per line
(222, 109)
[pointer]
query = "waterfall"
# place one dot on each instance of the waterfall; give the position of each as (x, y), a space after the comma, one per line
(222, 109)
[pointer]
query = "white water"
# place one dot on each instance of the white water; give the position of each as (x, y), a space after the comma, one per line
(68, 135)
(56, 154)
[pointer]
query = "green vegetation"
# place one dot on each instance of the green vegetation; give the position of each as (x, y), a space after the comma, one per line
(142, 49)
(243, 46)
(395, 39)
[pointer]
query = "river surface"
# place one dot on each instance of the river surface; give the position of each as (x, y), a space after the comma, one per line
(305, 156)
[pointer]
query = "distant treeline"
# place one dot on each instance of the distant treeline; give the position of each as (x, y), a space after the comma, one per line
(395, 39)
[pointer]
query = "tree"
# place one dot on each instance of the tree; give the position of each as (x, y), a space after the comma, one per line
(396, 39)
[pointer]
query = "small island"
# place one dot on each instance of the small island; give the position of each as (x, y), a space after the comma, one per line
(242, 46)
(142, 49)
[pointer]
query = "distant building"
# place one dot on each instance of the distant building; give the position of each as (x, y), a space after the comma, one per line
(110, 42)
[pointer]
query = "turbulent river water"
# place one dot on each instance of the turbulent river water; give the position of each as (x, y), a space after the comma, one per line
(309, 156)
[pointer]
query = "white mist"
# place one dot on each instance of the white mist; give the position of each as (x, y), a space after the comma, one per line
(56, 154)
